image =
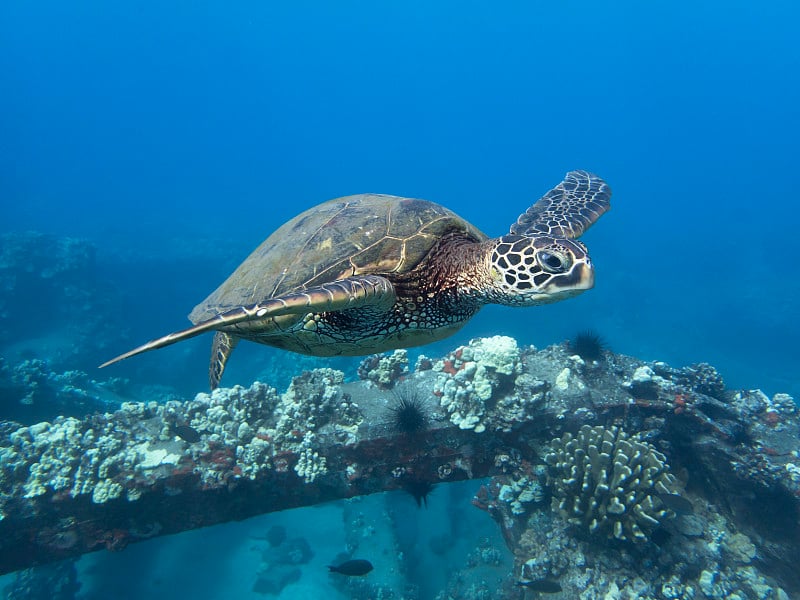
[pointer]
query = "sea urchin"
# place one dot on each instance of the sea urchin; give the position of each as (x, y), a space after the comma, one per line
(420, 489)
(588, 345)
(409, 414)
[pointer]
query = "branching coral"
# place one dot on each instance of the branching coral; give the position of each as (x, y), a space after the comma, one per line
(610, 483)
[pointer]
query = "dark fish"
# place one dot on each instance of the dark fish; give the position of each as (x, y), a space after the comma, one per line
(186, 433)
(352, 567)
(545, 586)
(676, 503)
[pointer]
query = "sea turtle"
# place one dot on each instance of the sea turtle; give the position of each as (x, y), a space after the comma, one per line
(369, 273)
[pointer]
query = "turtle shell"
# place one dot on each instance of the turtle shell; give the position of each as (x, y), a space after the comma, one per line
(355, 235)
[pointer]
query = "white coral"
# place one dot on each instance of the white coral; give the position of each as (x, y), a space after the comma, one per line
(471, 374)
(254, 457)
(310, 465)
(106, 490)
(568, 383)
(499, 353)
(521, 492)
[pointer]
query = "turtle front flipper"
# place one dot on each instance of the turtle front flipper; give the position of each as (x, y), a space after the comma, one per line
(568, 210)
(343, 294)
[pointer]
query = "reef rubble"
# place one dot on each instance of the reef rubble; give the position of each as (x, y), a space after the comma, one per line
(620, 478)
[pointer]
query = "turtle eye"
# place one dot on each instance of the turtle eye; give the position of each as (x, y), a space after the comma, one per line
(553, 262)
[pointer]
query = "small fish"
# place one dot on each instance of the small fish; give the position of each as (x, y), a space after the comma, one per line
(352, 567)
(676, 503)
(544, 586)
(186, 433)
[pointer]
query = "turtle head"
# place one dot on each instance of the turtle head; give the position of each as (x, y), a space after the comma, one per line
(538, 269)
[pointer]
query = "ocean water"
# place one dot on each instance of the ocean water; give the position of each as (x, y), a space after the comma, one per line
(169, 139)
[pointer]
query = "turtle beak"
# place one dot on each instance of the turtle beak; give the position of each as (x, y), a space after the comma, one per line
(584, 275)
(578, 279)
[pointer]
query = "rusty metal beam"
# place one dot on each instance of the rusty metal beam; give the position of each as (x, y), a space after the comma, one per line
(56, 526)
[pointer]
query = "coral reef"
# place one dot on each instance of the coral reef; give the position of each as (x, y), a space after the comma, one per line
(700, 378)
(473, 375)
(697, 556)
(705, 379)
(239, 432)
(310, 464)
(58, 581)
(38, 270)
(714, 563)
(35, 266)
(502, 410)
(608, 482)
(34, 390)
(384, 370)
(698, 567)
(520, 492)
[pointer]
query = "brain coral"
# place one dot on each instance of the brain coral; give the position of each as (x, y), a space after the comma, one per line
(609, 483)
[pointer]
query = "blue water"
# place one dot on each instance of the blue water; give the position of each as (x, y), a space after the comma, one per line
(175, 137)
(131, 123)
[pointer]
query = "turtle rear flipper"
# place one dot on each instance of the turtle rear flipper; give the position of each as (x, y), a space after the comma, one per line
(569, 209)
(343, 294)
(221, 349)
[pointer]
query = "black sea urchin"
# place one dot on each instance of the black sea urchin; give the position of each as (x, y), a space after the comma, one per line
(588, 345)
(420, 489)
(409, 414)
